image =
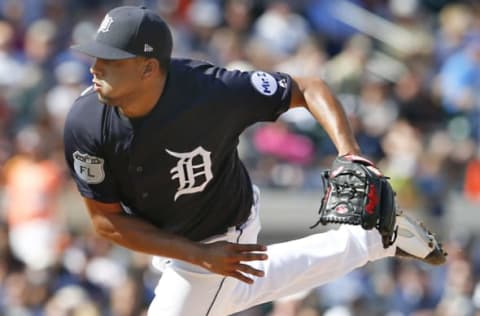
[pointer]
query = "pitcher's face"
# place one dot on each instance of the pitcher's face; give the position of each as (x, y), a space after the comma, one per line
(116, 79)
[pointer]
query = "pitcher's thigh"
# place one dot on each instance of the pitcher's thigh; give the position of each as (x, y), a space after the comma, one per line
(185, 293)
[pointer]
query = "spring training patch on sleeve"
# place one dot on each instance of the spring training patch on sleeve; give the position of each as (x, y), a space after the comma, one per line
(88, 168)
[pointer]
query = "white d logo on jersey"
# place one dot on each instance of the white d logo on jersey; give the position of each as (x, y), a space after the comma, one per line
(88, 168)
(193, 171)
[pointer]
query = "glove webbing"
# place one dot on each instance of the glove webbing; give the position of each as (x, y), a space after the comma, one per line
(345, 188)
(352, 192)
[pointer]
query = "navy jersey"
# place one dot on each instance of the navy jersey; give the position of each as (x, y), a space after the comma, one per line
(178, 166)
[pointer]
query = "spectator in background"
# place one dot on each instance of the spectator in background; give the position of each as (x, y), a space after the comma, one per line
(204, 17)
(71, 300)
(281, 30)
(22, 12)
(128, 298)
(412, 39)
(459, 78)
(472, 178)
(238, 16)
(458, 290)
(455, 20)
(229, 41)
(377, 109)
(69, 76)
(416, 105)
(412, 293)
(308, 60)
(32, 187)
(402, 149)
(289, 151)
(39, 51)
(344, 70)
(81, 32)
(11, 69)
(11, 74)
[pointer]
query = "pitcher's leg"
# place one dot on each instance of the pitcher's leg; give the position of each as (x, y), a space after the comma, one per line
(309, 262)
(186, 290)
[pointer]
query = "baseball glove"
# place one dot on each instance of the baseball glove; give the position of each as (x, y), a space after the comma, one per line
(357, 193)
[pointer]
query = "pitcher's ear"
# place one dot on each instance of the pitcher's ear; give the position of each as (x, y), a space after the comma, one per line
(150, 66)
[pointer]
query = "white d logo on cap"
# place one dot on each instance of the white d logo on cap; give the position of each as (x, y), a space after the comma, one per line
(105, 25)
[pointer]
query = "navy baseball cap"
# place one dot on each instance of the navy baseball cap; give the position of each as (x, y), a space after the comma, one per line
(128, 32)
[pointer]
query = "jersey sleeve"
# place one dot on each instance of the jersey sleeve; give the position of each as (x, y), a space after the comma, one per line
(84, 155)
(255, 96)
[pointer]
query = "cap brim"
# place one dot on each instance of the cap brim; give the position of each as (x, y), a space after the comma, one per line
(99, 50)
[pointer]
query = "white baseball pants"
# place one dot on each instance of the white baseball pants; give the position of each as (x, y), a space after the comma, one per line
(293, 266)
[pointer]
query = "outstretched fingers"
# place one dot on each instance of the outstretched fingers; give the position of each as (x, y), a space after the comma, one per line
(249, 252)
(241, 277)
(230, 259)
(249, 270)
(243, 271)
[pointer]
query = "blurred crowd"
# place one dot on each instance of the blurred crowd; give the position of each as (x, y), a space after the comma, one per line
(406, 71)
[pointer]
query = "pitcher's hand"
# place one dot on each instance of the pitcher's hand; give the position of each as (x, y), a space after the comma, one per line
(227, 259)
